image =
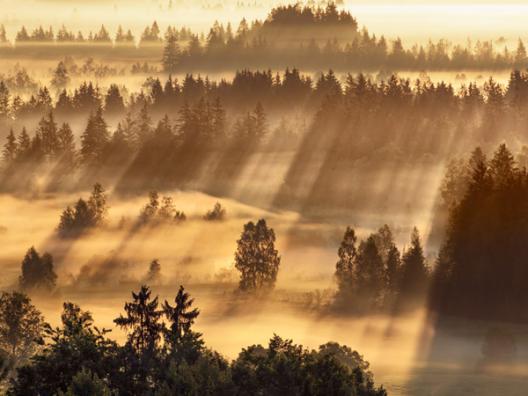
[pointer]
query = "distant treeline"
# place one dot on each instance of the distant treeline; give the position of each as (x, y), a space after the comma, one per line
(306, 37)
(151, 34)
(350, 121)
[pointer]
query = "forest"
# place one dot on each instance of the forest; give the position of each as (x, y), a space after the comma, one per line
(286, 203)
(307, 37)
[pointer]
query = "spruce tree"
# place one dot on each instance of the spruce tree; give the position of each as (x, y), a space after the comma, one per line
(95, 138)
(10, 151)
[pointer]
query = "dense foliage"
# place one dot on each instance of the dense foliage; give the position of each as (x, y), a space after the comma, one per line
(374, 276)
(166, 357)
(481, 268)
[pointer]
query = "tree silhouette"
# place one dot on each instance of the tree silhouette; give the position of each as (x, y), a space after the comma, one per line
(181, 317)
(218, 213)
(256, 257)
(94, 138)
(346, 265)
(142, 320)
(414, 271)
(21, 327)
(37, 271)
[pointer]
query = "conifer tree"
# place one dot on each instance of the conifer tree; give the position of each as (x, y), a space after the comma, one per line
(142, 321)
(171, 54)
(414, 272)
(10, 151)
(181, 317)
(346, 265)
(95, 138)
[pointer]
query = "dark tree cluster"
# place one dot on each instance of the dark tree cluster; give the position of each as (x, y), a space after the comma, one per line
(368, 124)
(218, 213)
(85, 215)
(373, 275)
(481, 268)
(320, 38)
(163, 355)
(38, 273)
(156, 212)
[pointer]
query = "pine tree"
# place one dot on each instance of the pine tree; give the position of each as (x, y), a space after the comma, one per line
(520, 55)
(5, 110)
(61, 77)
(502, 166)
(95, 138)
(369, 272)
(181, 317)
(414, 270)
(10, 151)
(143, 125)
(345, 267)
(142, 320)
(114, 103)
(171, 55)
(24, 145)
(47, 131)
(393, 269)
(97, 205)
(66, 143)
(260, 121)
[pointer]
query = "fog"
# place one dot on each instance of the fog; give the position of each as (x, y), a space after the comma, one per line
(311, 154)
(408, 354)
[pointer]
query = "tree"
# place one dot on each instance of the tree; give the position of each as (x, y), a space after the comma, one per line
(142, 320)
(256, 257)
(85, 383)
(414, 272)
(520, 55)
(97, 204)
(150, 211)
(21, 327)
(393, 268)
(143, 125)
(154, 272)
(181, 317)
(171, 55)
(217, 214)
(37, 271)
(10, 149)
(95, 138)
(47, 131)
(5, 110)
(85, 214)
(369, 272)
(75, 346)
(114, 102)
(66, 144)
(345, 266)
(61, 77)
(502, 166)
(284, 368)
